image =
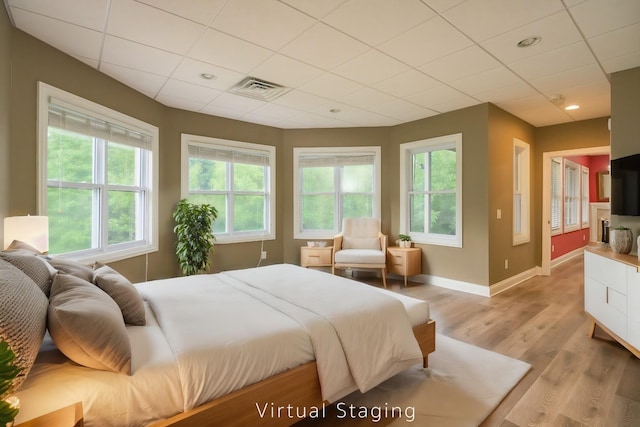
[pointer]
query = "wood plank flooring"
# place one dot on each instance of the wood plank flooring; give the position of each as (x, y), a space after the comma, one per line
(575, 380)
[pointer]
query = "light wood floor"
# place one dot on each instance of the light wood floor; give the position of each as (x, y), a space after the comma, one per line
(575, 380)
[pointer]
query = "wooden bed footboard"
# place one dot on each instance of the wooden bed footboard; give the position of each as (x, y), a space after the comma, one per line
(277, 401)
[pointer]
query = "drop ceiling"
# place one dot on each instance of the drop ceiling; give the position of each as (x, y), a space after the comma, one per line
(351, 63)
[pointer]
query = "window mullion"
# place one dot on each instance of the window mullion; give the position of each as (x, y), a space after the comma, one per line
(338, 198)
(100, 206)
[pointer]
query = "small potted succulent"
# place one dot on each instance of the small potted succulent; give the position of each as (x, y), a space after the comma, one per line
(404, 240)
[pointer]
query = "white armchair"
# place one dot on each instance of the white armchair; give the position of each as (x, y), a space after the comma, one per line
(360, 245)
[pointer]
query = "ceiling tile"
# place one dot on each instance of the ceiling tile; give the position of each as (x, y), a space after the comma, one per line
(426, 42)
(558, 82)
(506, 92)
(324, 47)
(179, 89)
(460, 64)
(181, 103)
(487, 80)
(285, 71)
(315, 8)
(191, 71)
(229, 52)
(596, 17)
(133, 55)
(69, 38)
(201, 11)
(238, 103)
(125, 18)
(361, 19)
(371, 67)
(455, 104)
(331, 86)
(483, 19)
(267, 23)
(435, 96)
(556, 30)
(86, 13)
(300, 100)
(367, 98)
(576, 55)
(403, 111)
(145, 82)
(406, 83)
(442, 5)
(620, 63)
(614, 44)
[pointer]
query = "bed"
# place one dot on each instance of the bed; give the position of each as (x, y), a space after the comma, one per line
(232, 348)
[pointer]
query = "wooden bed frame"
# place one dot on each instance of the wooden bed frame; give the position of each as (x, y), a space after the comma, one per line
(298, 387)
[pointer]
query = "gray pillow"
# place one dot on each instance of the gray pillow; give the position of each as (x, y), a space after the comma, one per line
(87, 325)
(120, 289)
(23, 316)
(72, 267)
(33, 266)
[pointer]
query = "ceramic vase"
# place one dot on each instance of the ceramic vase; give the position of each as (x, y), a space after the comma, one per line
(620, 241)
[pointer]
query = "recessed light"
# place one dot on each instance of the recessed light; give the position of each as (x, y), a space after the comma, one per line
(572, 107)
(208, 76)
(529, 41)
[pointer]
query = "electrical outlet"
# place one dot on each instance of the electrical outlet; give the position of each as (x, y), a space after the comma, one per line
(263, 255)
(499, 214)
(553, 248)
(506, 264)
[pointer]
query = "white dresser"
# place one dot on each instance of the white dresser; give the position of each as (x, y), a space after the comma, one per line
(612, 294)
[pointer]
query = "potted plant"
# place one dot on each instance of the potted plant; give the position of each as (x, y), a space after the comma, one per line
(621, 240)
(9, 406)
(194, 229)
(405, 240)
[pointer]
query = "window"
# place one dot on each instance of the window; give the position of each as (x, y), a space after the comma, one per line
(556, 195)
(331, 184)
(521, 212)
(97, 178)
(237, 178)
(572, 194)
(431, 190)
(585, 197)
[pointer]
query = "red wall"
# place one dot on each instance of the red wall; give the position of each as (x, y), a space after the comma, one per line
(562, 244)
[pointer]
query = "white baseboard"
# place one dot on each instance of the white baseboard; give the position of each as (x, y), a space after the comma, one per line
(512, 281)
(566, 257)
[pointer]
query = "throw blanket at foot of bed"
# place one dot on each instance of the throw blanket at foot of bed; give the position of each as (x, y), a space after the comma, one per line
(232, 329)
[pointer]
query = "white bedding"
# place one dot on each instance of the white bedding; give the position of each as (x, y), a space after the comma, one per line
(236, 328)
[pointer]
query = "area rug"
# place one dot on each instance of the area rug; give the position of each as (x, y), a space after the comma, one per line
(461, 387)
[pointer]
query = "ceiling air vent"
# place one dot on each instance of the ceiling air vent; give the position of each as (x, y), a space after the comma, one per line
(263, 90)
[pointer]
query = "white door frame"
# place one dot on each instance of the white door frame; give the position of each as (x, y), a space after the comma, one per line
(546, 196)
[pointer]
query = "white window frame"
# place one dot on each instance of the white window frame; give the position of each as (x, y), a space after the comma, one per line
(300, 152)
(557, 196)
(270, 185)
(453, 141)
(148, 228)
(571, 196)
(585, 197)
(521, 192)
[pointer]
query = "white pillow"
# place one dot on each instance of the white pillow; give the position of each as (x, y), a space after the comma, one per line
(360, 243)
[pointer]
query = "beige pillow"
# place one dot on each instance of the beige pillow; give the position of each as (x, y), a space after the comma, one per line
(361, 243)
(72, 267)
(33, 266)
(87, 325)
(123, 293)
(17, 245)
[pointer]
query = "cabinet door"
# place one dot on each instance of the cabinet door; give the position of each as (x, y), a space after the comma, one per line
(633, 307)
(606, 271)
(606, 305)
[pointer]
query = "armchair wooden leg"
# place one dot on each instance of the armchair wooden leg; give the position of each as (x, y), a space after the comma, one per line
(384, 277)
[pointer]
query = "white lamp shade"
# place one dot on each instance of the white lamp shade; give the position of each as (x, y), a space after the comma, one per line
(32, 230)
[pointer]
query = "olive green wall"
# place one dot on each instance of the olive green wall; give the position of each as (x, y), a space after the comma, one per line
(5, 107)
(443, 261)
(503, 128)
(625, 129)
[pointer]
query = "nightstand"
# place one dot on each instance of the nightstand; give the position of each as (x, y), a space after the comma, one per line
(404, 261)
(316, 256)
(69, 416)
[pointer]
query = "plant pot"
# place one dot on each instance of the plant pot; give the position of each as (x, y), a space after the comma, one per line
(620, 241)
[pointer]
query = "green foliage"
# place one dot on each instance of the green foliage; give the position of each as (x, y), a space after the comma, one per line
(8, 373)
(194, 229)
(404, 237)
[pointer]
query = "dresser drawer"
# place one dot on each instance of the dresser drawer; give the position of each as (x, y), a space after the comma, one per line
(610, 273)
(606, 305)
(315, 257)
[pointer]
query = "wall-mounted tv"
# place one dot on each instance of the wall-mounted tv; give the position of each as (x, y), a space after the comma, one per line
(625, 186)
